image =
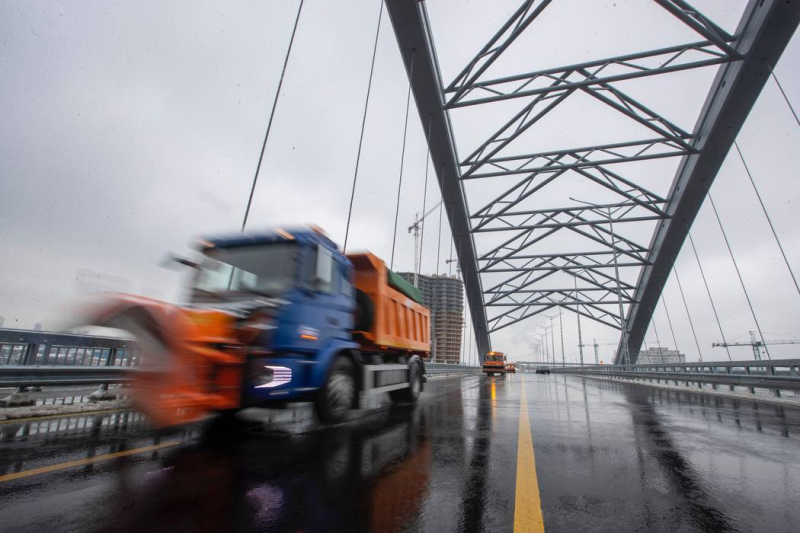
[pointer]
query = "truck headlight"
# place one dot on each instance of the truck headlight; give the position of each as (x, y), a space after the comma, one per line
(273, 376)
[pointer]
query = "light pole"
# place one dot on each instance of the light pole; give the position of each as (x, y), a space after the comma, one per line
(546, 347)
(580, 339)
(552, 336)
(561, 330)
(626, 358)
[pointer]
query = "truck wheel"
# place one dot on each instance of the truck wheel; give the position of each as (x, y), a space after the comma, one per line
(411, 393)
(338, 395)
(365, 312)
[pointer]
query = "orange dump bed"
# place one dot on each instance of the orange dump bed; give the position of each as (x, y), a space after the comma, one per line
(399, 322)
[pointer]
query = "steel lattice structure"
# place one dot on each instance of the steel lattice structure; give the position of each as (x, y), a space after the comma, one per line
(512, 279)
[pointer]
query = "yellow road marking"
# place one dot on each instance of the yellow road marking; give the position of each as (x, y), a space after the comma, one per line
(89, 460)
(527, 505)
(65, 415)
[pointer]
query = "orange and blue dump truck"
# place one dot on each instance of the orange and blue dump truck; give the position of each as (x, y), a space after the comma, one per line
(274, 317)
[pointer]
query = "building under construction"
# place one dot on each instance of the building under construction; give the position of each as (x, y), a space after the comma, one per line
(659, 355)
(444, 296)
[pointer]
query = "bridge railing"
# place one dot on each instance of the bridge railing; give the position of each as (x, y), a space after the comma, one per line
(47, 359)
(26, 348)
(774, 375)
(441, 369)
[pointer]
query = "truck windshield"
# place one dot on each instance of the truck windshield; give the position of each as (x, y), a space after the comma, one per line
(264, 269)
(494, 357)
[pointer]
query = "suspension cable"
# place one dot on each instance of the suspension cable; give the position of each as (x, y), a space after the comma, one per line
(691, 323)
(708, 291)
(766, 214)
(363, 125)
(469, 343)
(669, 321)
(655, 330)
(464, 326)
(439, 237)
(402, 159)
(738, 274)
(271, 116)
(774, 77)
(424, 199)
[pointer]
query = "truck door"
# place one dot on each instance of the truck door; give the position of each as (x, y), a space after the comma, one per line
(333, 298)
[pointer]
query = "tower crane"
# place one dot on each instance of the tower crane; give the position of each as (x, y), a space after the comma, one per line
(596, 346)
(415, 229)
(754, 343)
(458, 266)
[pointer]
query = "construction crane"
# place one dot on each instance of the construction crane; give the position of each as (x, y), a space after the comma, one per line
(458, 266)
(415, 228)
(596, 346)
(754, 343)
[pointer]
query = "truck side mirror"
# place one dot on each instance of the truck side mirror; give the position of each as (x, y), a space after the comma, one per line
(324, 272)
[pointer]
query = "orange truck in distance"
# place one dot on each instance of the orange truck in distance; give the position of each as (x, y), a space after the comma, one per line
(494, 363)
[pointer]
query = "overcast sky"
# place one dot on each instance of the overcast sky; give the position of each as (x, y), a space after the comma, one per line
(130, 128)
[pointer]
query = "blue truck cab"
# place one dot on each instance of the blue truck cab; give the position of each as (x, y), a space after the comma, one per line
(297, 288)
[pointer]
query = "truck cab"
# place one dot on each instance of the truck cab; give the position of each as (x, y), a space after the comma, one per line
(296, 290)
(494, 363)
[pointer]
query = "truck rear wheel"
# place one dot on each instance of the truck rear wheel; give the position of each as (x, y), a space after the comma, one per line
(338, 395)
(411, 393)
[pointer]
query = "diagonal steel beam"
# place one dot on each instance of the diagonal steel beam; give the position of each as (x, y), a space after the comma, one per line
(701, 24)
(528, 280)
(581, 157)
(764, 31)
(536, 311)
(502, 39)
(415, 41)
(497, 88)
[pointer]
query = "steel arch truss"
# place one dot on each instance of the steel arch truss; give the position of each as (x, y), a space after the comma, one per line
(514, 278)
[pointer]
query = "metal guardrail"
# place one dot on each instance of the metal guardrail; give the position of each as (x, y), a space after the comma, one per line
(49, 376)
(44, 359)
(775, 375)
(23, 347)
(47, 359)
(440, 369)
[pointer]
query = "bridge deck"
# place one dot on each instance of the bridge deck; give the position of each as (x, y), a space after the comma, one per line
(608, 457)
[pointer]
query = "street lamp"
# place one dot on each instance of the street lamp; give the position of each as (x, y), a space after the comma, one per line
(546, 347)
(552, 336)
(577, 314)
(561, 331)
(599, 209)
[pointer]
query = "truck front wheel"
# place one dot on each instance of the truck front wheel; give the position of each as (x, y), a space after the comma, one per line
(338, 395)
(411, 393)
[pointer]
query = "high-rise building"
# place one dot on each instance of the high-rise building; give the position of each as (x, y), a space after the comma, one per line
(658, 354)
(444, 296)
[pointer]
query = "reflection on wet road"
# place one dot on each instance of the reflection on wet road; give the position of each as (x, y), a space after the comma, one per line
(608, 456)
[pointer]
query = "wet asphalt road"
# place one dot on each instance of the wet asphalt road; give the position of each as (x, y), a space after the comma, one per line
(609, 457)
